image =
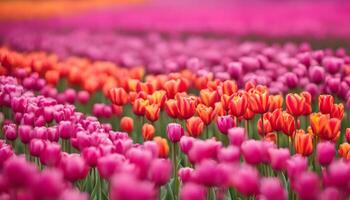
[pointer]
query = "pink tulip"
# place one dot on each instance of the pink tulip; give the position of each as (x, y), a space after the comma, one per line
(278, 158)
(53, 182)
(36, 146)
(246, 180)
(237, 136)
(73, 167)
(160, 171)
(109, 164)
(91, 155)
(225, 123)
(325, 153)
(51, 155)
(193, 191)
(307, 185)
(25, 133)
(174, 132)
(186, 143)
(230, 154)
(271, 188)
(185, 174)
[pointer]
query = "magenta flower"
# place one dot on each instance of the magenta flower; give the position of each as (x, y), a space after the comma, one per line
(193, 191)
(174, 132)
(237, 136)
(160, 171)
(325, 153)
(224, 123)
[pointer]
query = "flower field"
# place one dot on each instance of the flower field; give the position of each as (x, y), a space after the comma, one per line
(118, 115)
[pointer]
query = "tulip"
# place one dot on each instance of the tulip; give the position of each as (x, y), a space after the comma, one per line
(224, 123)
(193, 191)
(152, 112)
(317, 74)
(109, 165)
(118, 96)
(123, 186)
(252, 151)
(6, 152)
(18, 173)
(210, 174)
(51, 155)
(246, 180)
(331, 193)
(265, 128)
(325, 153)
(148, 131)
(291, 80)
(65, 129)
(296, 165)
(186, 143)
(225, 101)
(91, 155)
(295, 104)
(83, 97)
(237, 136)
(127, 124)
(70, 95)
(307, 185)
(325, 103)
(52, 181)
(172, 87)
(202, 150)
(185, 174)
(194, 126)
(139, 106)
(278, 158)
(73, 194)
(174, 132)
(235, 69)
(259, 99)
(205, 113)
(238, 104)
(160, 171)
(36, 146)
(325, 127)
(276, 101)
(344, 149)
(25, 133)
(229, 154)
(163, 147)
(303, 143)
(171, 108)
(219, 110)
(338, 174)
(271, 188)
(141, 159)
(307, 106)
(229, 87)
(347, 135)
(186, 107)
(337, 111)
(10, 131)
(73, 167)
(208, 97)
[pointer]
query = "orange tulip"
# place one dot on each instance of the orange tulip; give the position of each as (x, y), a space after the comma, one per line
(238, 104)
(158, 97)
(132, 96)
(127, 124)
(325, 103)
(248, 115)
(249, 85)
(264, 128)
(171, 108)
(174, 86)
(152, 112)
(344, 149)
(325, 127)
(219, 109)
(209, 98)
(288, 124)
(145, 87)
(337, 111)
(201, 82)
(205, 113)
(276, 101)
(295, 104)
(259, 101)
(194, 126)
(225, 101)
(307, 106)
(186, 106)
(163, 147)
(139, 106)
(132, 84)
(52, 77)
(118, 96)
(277, 119)
(303, 143)
(229, 87)
(148, 131)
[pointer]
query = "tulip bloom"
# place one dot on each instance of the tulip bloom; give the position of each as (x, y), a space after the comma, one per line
(148, 131)
(174, 132)
(307, 105)
(265, 128)
(225, 101)
(288, 124)
(145, 87)
(127, 124)
(171, 108)
(205, 113)
(158, 97)
(337, 111)
(219, 110)
(139, 106)
(163, 147)
(208, 97)
(347, 134)
(325, 103)
(303, 143)
(325, 127)
(186, 106)
(194, 126)
(152, 112)
(229, 87)
(249, 114)
(224, 123)
(118, 96)
(344, 150)
(295, 104)
(259, 101)
(238, 104)
(276, 101)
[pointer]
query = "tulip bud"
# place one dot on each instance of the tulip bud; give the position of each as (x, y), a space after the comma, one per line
(331, 193)
(296, 165)
(70, 95)
(74, 167)
(163, 147)
(65, 129)
(307, 185)
(51, 155)
(246, 180)
(83, 97)
(186, 143)
(25, 133)
(36, 146)
(91, 155)
(192, 191)
(317, 74)
(291, 80)
(109, 164)
(141, 159)
(325, 153)
(52, 181)
(174, 132)
(225, 123)
(10, 132)
(230, 154)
